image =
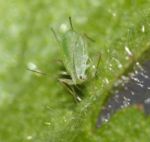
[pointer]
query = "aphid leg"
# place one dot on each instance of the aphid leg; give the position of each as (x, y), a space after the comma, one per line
(55, 35)
(89, 38)
(68, 84)
(70, 21)
(72, 92)
(76, 97)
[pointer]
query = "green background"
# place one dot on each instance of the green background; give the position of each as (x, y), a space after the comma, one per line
(37, 108)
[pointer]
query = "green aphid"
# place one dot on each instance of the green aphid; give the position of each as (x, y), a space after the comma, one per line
(75, 59)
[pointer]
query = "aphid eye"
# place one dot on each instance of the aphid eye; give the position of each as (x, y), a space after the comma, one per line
(82, 77)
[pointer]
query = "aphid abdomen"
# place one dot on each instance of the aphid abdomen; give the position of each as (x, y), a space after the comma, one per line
(68, 43)
(81, 58)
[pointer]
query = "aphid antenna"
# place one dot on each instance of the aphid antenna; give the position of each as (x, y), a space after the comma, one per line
(71, 91)
(89, 38)
(55, 35)
(36, 71)
(70, 21)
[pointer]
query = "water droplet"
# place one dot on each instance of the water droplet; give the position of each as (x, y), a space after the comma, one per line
(128, 51)
(120, 66)
(139, 66)
(135, 72)
(147, 101)
(32, 66)
(143, 28)
(126, 102)
(29, 137)
(47, 123)
(144, 75)
(93, 67)
(118, 63)
(79, 99)
(106, 80)
(110, 67)
(141, 85)
(106, 118)
(132, 93)
(124, 78)
(136, 79)
(114, 14)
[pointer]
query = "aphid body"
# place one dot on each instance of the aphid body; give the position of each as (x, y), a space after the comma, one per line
(75, 57)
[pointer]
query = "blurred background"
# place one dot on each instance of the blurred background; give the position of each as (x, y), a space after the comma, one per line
(37, 108)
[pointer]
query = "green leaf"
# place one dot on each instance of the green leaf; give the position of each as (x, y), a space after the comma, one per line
(37, 108)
